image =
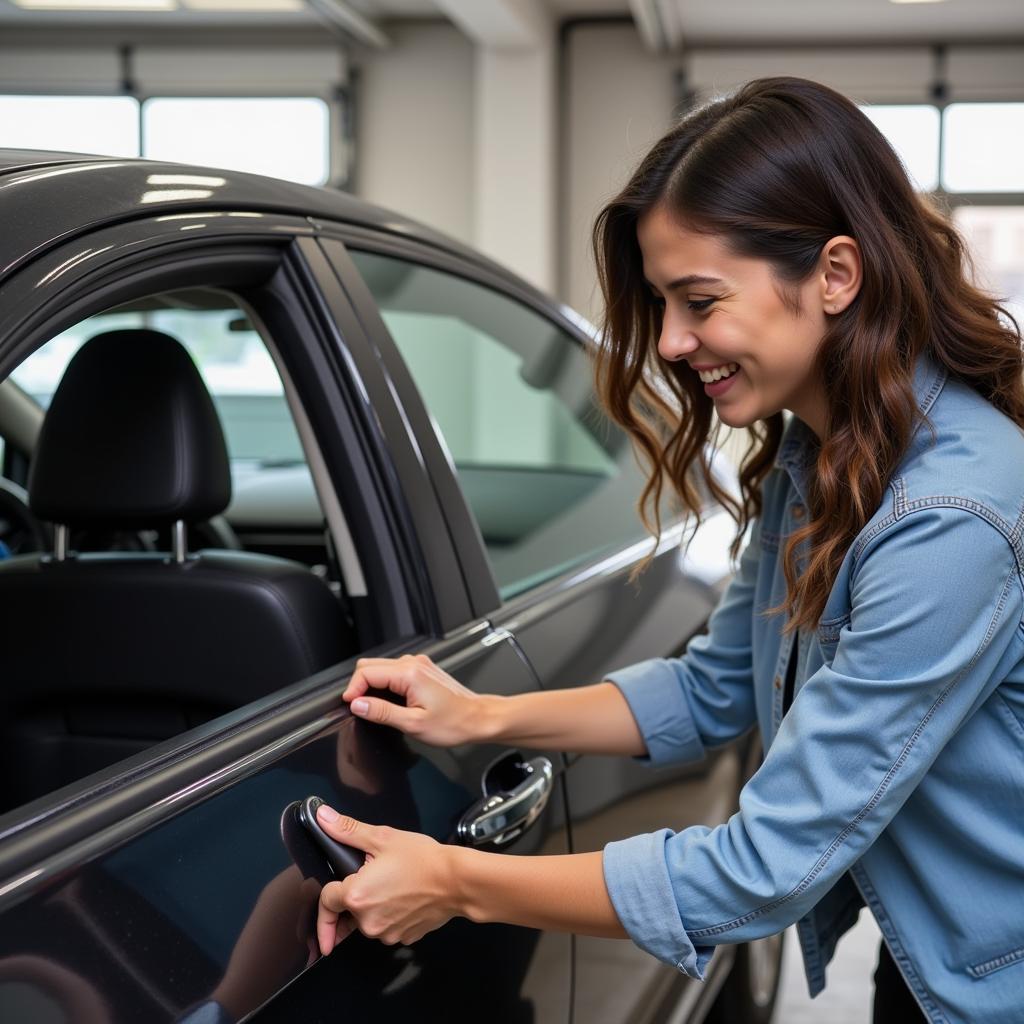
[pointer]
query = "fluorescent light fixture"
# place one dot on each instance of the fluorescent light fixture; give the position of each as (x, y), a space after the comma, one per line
(97, 5)
(917, 1)
(244, 6)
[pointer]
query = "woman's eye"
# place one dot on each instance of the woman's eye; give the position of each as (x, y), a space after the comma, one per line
(699, 304)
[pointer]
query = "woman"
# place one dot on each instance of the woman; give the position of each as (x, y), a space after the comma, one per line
(772, 238)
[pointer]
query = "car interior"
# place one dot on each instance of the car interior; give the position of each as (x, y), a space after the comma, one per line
(165, 558)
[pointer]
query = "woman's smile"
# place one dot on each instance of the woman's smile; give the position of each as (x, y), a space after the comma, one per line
(715, 389)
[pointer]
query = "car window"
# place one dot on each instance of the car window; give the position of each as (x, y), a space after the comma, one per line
(232, 359)
(157, 638)
(549, 480)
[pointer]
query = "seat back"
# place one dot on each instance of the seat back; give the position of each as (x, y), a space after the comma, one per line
(109, 653)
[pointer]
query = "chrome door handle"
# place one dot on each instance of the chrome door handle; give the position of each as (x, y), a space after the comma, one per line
(499, 817)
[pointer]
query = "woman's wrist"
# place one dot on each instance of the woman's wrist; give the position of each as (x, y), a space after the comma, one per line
(461, 888)
(490, 720)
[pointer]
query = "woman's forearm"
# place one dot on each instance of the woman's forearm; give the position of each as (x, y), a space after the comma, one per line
(563, 893)
(586, 720)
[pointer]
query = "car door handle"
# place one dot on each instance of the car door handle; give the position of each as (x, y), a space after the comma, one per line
(498, 817)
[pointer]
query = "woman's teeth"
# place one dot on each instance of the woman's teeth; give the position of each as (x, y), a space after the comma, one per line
(710, 376)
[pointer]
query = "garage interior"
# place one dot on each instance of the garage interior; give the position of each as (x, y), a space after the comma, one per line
(507, 123)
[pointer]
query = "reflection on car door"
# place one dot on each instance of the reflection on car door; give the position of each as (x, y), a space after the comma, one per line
(197, 896)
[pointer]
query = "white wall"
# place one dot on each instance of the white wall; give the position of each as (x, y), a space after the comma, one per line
(414, 125)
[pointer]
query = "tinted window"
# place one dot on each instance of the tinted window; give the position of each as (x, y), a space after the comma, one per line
(550, 482)
(152, 645)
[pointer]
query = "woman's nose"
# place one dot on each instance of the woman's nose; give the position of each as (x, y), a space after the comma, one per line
(674, 344)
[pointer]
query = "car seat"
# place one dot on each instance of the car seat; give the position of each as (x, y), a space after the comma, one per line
(108, 653)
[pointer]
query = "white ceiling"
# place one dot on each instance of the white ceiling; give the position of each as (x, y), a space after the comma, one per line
(721, 21)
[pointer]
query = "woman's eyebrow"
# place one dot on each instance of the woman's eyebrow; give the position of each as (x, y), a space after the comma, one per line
(681, 282)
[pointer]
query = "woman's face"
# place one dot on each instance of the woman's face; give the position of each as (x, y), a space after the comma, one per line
(722, 310)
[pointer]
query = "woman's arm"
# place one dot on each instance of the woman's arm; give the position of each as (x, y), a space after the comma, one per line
(441, 711)
(410, 884)
(662, 710)
(588, 720)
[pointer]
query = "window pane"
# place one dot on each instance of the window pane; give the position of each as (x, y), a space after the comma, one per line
(550, 482)
(983, 147)
(231, 357)
(284, 138)
(995, 235)
(913, 131)
(106, 125)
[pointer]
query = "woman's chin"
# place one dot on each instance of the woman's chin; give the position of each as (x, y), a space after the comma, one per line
(733, 417)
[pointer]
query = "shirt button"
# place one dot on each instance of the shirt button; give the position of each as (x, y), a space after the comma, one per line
(778, 682)
(798, 511)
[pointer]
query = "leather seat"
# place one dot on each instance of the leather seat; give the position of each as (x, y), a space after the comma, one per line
(107, 653)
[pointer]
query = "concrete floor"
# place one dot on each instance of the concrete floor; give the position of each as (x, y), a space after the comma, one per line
(847, 997)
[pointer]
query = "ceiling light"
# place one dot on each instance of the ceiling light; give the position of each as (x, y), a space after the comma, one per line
(97, 5)
(243, 6)
(917, 1)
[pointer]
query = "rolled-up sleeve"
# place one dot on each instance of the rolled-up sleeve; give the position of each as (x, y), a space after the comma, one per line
(705, 697)
(936, 602)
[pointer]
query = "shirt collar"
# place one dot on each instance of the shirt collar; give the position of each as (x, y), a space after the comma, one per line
(799, 445)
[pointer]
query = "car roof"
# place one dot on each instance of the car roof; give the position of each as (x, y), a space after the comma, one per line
(98, 190)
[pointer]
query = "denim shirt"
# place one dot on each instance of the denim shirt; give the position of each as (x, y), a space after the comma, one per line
(896, 778)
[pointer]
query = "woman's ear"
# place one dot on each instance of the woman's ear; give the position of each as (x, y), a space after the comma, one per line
(840, 273)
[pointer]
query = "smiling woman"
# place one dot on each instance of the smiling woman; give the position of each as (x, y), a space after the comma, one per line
(770, 256)
(777, 228)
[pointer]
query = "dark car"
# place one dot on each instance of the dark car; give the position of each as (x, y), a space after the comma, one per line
(251, 431)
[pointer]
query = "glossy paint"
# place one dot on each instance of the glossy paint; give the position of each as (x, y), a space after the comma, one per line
(210, 896)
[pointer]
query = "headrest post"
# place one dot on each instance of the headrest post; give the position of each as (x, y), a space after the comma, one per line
(60, 542)
(178, 540)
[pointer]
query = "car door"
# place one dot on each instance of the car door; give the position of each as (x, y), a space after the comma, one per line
(549, 488)
(172, 878)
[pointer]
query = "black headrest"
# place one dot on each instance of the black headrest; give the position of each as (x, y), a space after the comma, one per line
(131, 438)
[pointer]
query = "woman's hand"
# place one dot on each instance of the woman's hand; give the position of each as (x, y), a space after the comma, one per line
(438, 709)
(405, 888)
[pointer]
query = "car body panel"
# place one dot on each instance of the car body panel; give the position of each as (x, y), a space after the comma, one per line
(101, 191)
(194, 891)
(576, 629)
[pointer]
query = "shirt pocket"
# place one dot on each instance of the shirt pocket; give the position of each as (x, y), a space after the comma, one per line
(1011, 958)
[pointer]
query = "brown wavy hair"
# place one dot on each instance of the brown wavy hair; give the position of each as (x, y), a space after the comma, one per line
(776, 170)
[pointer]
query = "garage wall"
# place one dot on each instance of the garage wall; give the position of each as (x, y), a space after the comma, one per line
(154, 67)
(414, 125)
